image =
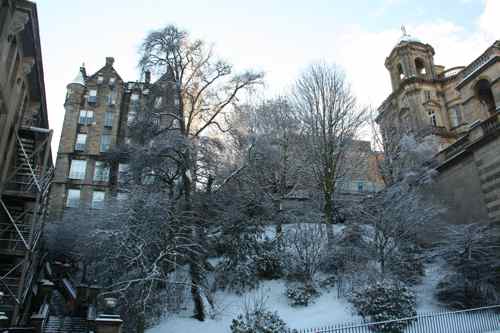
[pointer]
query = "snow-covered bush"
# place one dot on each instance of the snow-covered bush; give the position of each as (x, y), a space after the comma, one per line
(407, 266)
(305, 245)
(458, 292)
(471, 255)
(258, 321)
(237, 276)
(301, 294)
(385, 300)
(269, 260)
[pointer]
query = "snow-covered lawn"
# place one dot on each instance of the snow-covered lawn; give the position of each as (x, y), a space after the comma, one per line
(326, 310)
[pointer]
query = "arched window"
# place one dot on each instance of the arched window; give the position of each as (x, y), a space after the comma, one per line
(432, 117)
(401, 73)
(420, 66)
(485, 95)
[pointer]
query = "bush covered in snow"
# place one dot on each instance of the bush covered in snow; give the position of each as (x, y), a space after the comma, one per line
(460, 293)
(258, 321)
(237, 276)
(301, 294)
(407, 265)
(305, 249)
(385, 300)
(268, 261)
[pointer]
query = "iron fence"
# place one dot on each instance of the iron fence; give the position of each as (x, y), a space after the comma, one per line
(479, 320)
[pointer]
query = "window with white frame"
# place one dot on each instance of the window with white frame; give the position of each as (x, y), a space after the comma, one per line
(98, 199)
(105, 142)
(112, 81)
(108, 119)
(100, 79)
(81, 141)
(86, 117)
(73, 198)
(77, 169)
(92, 97)
(101, 171)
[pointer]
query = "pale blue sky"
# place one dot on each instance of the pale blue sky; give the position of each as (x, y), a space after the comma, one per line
(279, 37)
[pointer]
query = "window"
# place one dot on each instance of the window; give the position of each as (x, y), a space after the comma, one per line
(157, 103)
(130, 117)
(86, 117)
(73, 198)
(432, 117)
(122, 171)
(485, 95)
(401, 73)
(455, 116)
(121, 196)
(92, 97)
(100, 79)
(77, 169)
(420, 66)
(81, 140)
(112, 98)
(108, 119)
(101, 171)
(134, 98)
(98, 199)
(105, 142)
(427, 95)
(112, 81)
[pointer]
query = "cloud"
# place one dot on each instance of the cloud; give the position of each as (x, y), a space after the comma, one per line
(362, 53)
(488, 21)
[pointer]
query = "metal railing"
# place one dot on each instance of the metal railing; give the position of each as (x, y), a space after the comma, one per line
(478, 320)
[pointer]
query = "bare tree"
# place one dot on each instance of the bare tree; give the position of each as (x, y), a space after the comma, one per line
(203, 89)
(331, 118)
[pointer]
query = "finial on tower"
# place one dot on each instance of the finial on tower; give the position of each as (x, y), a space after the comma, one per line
(403, 29)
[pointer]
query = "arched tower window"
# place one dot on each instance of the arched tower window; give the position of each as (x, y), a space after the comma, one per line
(485, 95)
(432, 117)
(420, 66)
(401, 73)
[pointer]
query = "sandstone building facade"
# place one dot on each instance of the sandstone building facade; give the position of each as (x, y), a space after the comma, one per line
(25, 161)
(459, 108)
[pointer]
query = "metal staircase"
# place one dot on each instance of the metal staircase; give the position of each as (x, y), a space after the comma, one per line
(22, 208)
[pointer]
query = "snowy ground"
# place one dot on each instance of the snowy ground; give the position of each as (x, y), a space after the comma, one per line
(326, 310)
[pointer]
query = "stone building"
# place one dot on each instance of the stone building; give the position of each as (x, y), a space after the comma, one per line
(459, 108)
(25, 161)
(98, 109)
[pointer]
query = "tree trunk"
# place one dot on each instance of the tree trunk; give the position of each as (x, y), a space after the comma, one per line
(328, 208)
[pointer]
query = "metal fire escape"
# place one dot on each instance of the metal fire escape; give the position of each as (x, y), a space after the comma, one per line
(22, 209)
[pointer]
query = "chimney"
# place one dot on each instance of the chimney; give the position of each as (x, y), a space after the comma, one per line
(110, 61)
(147, 76)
